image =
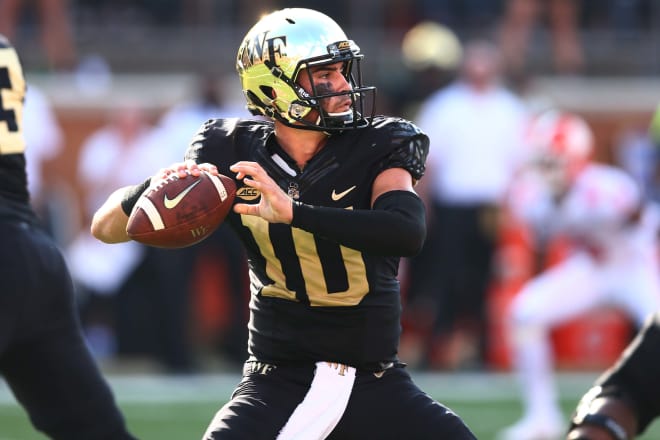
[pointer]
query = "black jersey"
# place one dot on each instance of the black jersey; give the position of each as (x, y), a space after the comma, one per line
(40, 334)
(313, 299)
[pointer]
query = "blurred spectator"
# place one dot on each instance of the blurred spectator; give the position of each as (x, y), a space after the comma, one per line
(464, 14)
(522, 17)
(431, 54)
(209, 100)
(635, 152)
(654, 136)
(136, 297)
(225, 330)
(55, 28)
(43, 144)
(52, 201)
(612, 260)
(114, 153)
(476, 127)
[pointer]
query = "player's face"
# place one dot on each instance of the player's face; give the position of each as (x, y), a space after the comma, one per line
(327, 79)
(557, 172)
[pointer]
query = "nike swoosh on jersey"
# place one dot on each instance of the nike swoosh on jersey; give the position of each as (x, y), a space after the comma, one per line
(171, 203)
(336, 196)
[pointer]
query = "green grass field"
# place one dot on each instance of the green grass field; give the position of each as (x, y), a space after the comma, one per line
(179, 408)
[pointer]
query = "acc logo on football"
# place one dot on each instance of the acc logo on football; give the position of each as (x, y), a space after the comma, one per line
(247, 193)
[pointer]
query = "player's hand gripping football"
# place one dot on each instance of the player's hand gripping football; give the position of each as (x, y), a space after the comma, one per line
(182, 169)
(275, 206)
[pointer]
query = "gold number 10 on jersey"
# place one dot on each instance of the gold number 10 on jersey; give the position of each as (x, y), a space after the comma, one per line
(336, 263)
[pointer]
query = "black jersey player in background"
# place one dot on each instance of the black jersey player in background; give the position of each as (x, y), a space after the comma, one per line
(626, 398)
(325, 208)
(43, 356)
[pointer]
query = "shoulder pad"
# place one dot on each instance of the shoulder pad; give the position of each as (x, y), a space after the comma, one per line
(226, 127)
(396, 126)
(218, 140)
(409, 144)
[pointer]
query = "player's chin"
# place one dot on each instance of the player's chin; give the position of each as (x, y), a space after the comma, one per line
(343, 105)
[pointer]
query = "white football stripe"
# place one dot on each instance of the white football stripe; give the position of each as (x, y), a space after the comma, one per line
(152, 213)
(222, 191)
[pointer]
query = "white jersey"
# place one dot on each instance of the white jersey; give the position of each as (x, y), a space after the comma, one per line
(603, 211)
(614, 264)
(471, 161)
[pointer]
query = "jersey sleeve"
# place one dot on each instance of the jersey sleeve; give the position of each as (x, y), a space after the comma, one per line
(222, 141)
(605, 199)
(409, 147)
(215, 142)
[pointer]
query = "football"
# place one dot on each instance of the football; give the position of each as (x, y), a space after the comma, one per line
(180, 212)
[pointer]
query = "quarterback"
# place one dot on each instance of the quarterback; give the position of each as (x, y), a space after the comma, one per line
(325, 207)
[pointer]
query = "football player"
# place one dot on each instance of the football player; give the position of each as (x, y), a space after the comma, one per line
(626, 398)
(612, 262)
(325, 208)
(43, 356)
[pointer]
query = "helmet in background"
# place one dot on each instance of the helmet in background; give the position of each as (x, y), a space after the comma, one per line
(280, 46)
(561, 142)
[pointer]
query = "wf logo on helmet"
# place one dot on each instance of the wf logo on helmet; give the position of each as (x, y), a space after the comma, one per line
(255, 51)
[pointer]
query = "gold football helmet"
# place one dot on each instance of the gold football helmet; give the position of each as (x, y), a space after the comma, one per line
(278, 48)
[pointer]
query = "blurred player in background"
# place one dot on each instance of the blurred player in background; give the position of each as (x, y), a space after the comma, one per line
(111, 156)
(45, 145)
(625, 399)
(330, 210)
(134, 299)
(43, 356)
(223, 327)
(613, 259)
(469, 171)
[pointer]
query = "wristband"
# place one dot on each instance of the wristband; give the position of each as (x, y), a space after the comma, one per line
(132, 195)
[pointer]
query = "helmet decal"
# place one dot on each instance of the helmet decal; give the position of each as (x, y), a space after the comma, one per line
(261, 48)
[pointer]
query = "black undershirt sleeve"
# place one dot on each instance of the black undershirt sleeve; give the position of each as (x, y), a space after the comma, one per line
(396, 226)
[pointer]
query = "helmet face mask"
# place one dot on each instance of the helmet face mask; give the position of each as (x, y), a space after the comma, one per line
(292, 42)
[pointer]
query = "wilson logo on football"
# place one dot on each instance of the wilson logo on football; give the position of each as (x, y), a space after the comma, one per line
(247, 193)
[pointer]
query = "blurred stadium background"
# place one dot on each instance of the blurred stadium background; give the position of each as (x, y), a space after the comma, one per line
(155, 53)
